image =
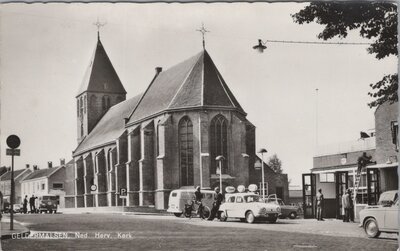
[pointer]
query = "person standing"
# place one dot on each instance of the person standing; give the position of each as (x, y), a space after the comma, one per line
(25, 205)
(346, 206)
(37, 204)
(198, 197)
(218, 198)
(32, 204)
(320, 204)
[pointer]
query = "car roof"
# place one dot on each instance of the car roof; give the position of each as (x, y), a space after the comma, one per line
(231, 194)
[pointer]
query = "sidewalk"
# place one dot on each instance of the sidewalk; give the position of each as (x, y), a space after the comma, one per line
(5, 231)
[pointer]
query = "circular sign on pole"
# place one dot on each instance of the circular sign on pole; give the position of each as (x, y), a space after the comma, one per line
(13, 141)
(93, 187)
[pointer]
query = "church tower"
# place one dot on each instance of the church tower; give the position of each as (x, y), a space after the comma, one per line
(101, 88)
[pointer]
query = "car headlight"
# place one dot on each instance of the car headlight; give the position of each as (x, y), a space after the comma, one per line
(278, 209)
(262, 210)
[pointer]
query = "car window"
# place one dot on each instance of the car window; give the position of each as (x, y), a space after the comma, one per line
(208, 196)
(281, 202)
(239, 199)
(252, 198)
(231, 199)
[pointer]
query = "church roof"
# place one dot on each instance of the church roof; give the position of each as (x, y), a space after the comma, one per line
(195, 82)
(110, 126)
(101, 76)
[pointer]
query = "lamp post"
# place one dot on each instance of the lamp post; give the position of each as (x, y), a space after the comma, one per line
(262, 151)
(220, 158)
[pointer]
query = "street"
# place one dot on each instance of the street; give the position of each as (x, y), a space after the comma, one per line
(155, 232)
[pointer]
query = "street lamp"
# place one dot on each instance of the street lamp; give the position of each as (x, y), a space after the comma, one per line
(262, 151)
(260, 47)
(220, 158)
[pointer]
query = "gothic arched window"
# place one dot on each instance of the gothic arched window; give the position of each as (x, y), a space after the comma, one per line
(106, 103)
(219, 142)
(81, 106)
(186, 152)
(77, 107)
(84, 104)
(93, 101)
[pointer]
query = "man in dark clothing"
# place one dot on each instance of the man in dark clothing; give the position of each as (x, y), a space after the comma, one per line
(362, 161)
(218, 198)
(198, 197)
(32, 204)
(25, 205)
(320, 204)
(351, 211)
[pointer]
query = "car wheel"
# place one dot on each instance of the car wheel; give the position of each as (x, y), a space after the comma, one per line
(205, 212)
(371, 228)
(223, 216)
(178, 214)
(250, 217)
(293, 215)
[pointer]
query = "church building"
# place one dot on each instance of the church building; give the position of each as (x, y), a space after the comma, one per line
(166, 138)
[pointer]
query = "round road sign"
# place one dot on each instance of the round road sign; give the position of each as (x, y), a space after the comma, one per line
(93, 187)
(13, 141)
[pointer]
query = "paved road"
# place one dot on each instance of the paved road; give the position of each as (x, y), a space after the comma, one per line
(133, 232)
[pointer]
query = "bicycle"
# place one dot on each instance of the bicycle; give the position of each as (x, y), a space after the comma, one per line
(201, 210)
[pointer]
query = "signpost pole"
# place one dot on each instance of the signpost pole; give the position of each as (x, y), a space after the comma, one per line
(12, 194)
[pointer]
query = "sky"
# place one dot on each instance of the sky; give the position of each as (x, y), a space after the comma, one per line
(45, 49)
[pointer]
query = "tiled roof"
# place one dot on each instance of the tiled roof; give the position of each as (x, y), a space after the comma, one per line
(110, 126)
(7, 175)
(101, 76)
(195, 82)
(42, 173)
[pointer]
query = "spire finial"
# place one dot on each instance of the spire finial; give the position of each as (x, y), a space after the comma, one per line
(99, 25)
(203, 31)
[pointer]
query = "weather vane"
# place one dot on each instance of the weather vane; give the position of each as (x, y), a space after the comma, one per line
(99, 25)
(203, 31)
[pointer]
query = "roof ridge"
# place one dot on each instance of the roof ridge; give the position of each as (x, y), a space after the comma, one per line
(187, 76)
(144, 93)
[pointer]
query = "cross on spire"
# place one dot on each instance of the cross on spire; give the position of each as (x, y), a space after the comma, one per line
(99, 25)
(203, 31)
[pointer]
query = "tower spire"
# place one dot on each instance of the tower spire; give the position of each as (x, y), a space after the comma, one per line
(203, 31)
(99, 25)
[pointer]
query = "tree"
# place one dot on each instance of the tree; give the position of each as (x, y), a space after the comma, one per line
(275, 164)
(374, 20)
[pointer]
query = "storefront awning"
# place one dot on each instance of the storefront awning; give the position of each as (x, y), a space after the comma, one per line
(384, 165)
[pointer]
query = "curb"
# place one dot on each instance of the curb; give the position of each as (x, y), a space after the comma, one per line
(24, 232)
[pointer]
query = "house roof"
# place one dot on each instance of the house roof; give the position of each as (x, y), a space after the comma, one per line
(100, 75)
(41, 173)
(7, 175)
(110, 126)
(195, 82)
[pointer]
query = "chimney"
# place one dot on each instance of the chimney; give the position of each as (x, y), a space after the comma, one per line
(35, 167)
(62, 162)
(158, 70)
(49, 164)
(27, 166)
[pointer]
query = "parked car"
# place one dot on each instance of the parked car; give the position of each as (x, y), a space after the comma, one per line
(248, 206)
(287, 211)
(18, 208)
(382, 217)
(48, 203)
(178, 198)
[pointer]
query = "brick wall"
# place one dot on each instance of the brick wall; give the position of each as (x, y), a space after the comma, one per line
(384, 115)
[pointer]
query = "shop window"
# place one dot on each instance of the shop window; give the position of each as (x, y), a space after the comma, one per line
(326, 177)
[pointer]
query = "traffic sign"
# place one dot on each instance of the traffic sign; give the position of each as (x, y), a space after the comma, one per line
(13, 141)
(122, 193)
(93, 187)
(14, 152)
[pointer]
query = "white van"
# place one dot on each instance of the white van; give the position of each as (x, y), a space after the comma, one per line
(178, 198)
